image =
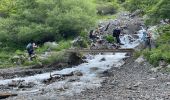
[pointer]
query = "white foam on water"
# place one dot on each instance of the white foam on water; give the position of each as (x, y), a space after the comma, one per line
(126, 40)
(90, 78)
(84, 68)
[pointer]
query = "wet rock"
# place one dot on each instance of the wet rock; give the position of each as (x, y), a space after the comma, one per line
(6, 95)
(15, 83)
(73, 79)
(84, 57)
(26, 85)
(78, 73)
(103, 59)
(74, 59)
(105, 73)
(93, 69)
(128, 54)
(4, 87)
(63, 88)
(21, 84)
(135, 36)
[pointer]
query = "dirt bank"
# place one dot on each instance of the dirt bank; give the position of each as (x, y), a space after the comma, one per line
(71, 59)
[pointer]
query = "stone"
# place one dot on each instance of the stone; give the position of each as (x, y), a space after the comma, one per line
(6, 95)
(137, 84)
(94, 69)
(13, 83)
(103, 59)
(168, 66)
(168, 83)
(78, 73)
(162, 63)
(26, 85)
(140, 60)
(73, 79)
(155, 69)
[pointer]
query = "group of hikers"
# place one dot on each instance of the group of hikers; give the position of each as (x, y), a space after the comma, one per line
(97, 35)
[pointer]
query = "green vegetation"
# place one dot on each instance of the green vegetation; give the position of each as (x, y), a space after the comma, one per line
(59, 21)
(41, 21)
(155, 9)
(162, 50)
(110, 38)
(105, 7)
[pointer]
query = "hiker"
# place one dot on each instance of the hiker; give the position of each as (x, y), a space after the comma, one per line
(101, 29)
(91, 34)
(30, 49)
(116, 34)
(146, 39)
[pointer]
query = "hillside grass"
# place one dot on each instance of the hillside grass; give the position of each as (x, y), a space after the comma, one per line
(162, 50)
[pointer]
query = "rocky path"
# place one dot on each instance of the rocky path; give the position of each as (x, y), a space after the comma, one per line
(132, 81)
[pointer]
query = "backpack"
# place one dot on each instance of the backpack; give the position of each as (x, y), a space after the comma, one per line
(28, 46)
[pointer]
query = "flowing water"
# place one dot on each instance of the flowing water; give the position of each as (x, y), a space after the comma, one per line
(91, 71)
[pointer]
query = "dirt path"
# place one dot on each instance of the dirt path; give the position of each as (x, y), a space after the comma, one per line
(133, 81)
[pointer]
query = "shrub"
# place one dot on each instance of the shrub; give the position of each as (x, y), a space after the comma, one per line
(110, 38)
(41, 21)
(162, 50)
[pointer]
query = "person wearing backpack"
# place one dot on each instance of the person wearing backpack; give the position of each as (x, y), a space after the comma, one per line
(30, 49)
(116, 34)
(147, 39)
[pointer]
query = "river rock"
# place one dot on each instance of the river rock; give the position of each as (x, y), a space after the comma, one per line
(78, 73)
(105, 73)
(103, 59)
(15, 83)
(6, 95)
(93, 69)
(73, 79)
(26, 85)
(162, 63)
(75, 58)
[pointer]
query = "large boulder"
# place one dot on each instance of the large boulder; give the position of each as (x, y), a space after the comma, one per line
(74, 58)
